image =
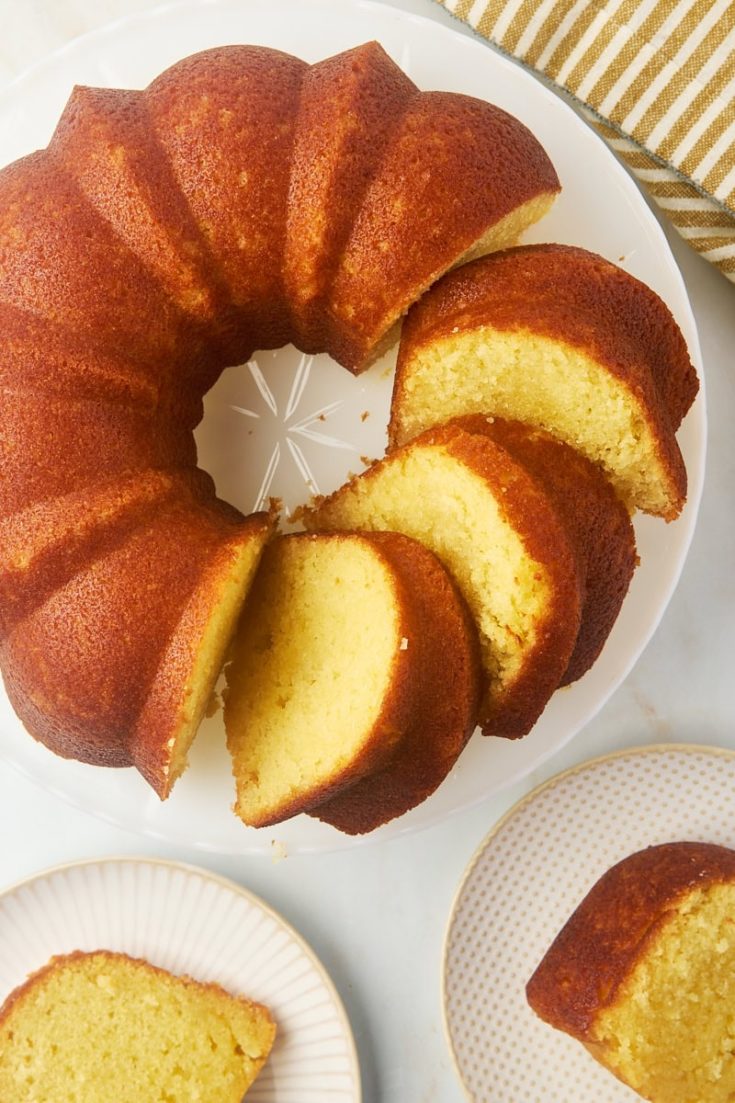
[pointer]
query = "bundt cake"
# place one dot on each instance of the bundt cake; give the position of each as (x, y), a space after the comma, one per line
(595, 519)
(495, 530)
(559, 338)
(244, 200)
(447, 655)
(102, 1026)
(329, 670)
(642, 973)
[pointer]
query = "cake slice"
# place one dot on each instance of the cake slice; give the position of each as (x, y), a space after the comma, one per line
(100, 1026)
(445, 713)
(596, 521)
(495, 530)
(561, 339)
(323, 680)
(642, 973)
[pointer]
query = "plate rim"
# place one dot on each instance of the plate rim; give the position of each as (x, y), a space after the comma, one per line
(228, 884)
(402, 827)
(712, 750)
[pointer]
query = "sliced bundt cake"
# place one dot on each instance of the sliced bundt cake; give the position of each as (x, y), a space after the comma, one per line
(243, 200)
(642, 973)
(98, 1026)
(596, 521)
(495, 530)
(445, 711)
(561, 339)
(325, 673)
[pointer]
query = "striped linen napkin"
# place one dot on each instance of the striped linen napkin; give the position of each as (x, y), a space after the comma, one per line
(657, 80)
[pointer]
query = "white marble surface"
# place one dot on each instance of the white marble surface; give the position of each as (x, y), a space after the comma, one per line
(377, 916)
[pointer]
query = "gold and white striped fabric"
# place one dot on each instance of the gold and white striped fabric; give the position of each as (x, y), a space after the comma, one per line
(657, 80)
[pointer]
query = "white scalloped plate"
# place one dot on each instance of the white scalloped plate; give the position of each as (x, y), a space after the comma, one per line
(524, 882)
(288, 424)
(193, 922)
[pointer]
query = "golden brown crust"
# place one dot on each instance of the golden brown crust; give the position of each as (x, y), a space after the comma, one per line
(105, 142)
(611, 929)
(350, 105)
(43, 545)
(83, 442)
(80, 688)
(596, 521)
(446, 652)
(59, 260)
(445, 144)
(225, 119)
(49, 359)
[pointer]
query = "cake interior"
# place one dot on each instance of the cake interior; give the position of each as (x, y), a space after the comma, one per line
(507, 230)
(223, 610)
(428, 494)
(671, 1031)
(99, 1024)
(546, 383)
(313, 660)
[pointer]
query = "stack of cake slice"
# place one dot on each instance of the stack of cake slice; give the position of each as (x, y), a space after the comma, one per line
(536, 401)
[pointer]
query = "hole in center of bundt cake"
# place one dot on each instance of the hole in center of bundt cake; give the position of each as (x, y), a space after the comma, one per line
(290, 425)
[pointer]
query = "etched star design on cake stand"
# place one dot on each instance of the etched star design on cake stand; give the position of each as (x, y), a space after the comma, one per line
(292, 426)
(289, 426)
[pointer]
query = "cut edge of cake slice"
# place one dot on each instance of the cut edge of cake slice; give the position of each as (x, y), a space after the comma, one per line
(103, 1013)
(321, 684)
(496, 532)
